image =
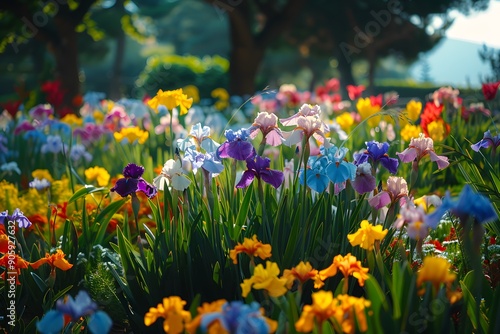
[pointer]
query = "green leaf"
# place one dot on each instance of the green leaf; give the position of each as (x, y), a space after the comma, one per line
(39, 282)
(104, 217)
(87, 189)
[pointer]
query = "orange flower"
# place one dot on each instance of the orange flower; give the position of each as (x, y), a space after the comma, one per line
(4, 243)
(348, 265)
(252, 247)
(302, 272)
(56, 260)
(13, 265)
(205, 308)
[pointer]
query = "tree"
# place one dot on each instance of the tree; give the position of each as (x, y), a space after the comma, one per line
(345, 29)
(53, 23)
(254, 26)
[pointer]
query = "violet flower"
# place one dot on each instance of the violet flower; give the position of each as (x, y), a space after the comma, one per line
(41, 112)
(377, 152)
(17, 216)
(487, 141)
(53, 144)
(40, 185)
(259, 168)
(132, 182)
(364, 182)
(468, 204)
(81, 306)
(200, 137)
(421, 147)
(237, 145)
(237, 317)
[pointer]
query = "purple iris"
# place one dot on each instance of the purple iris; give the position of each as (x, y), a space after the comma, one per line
(237, 145)
(468, 203)
(377, 152)
(259, 168)
(17, 216)
(133, 182)
(82, 305)
(487, 141)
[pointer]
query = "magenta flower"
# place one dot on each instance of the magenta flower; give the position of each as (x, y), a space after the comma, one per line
(421, 147)
(397, 189)
(24, 126)
(259, 168)
(132, 182)
(267, 123)
(41, 112)
(237, 145)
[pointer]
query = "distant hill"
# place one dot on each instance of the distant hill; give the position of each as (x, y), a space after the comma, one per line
(452, 62)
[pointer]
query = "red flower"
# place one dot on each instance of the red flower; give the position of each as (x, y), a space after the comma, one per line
(432, 113)
(12, 107)
(355, 91)
(377, 100)
(437, 245)
(55, 94)
(490, 90)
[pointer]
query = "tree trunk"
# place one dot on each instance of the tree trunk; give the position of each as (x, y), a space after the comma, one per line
(245, 62)
(115, 89)
(66, 56)
(345, 69)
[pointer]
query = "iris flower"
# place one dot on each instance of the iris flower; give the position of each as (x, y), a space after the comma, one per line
(40, 185)
(259, 168)
(435, 270)
(252, 247)
(201, 138)
(338, 169)
(237, 145)
(308, 126)
(237, 317)
(421, 147)
(133, 182)
(397, 189)
(302, 272)
(487, 141)
(364, 181)
(377, 152)
(14, 263)
(366, 235)
(468, 204)
(267, 124)
(17, 216)
(267, 279)
(55, 260)
(317, 179)
(173, 174)
(53, 144)
(490, 90)
(207, 161)
(172, 310)
(348, 265)
(81, 306)
(304, 111)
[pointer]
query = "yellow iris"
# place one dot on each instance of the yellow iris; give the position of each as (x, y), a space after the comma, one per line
(252, 247)
(98, 174)
(410, 131)
(172, 310)
(132, 134)
(267, 279)
(366, 110)
(171, 99)
(366, 235)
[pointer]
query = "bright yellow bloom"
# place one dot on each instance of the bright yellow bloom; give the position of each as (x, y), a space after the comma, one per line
(252, 247)
(192, 90)
(42, 174)
(132, 134)
(222, 97)
(412, 112)
(366, 109)
(436, 130)
(72, 120)
(98, 174)
(56, 260)
(98, 117)
(215, 327)
(348, 265)
(366, 235)
(33, 202)
(323, 307)
(352, 311)
(172, 310)
(9, 196)
(345, 121)
(171, 99)
(410, 131)
(266, 279)
(437, 271)
(302, 272)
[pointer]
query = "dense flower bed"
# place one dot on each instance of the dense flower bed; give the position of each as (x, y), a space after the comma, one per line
(289, 212)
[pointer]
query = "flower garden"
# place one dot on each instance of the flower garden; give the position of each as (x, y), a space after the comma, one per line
(289, 212)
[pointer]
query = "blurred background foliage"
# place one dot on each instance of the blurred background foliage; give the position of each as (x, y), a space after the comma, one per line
(134, 47)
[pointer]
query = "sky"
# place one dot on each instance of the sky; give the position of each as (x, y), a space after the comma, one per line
(455, 61)
(482, 27)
